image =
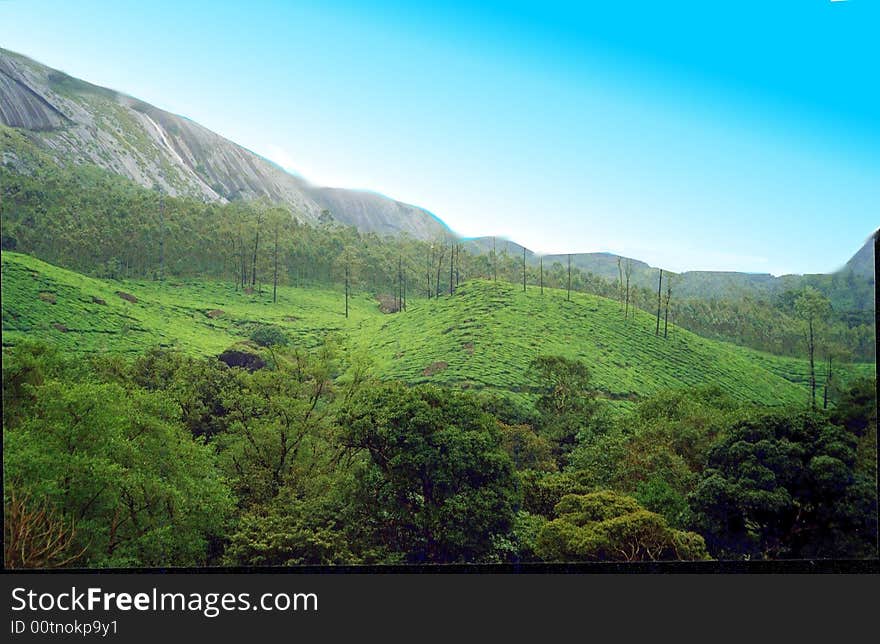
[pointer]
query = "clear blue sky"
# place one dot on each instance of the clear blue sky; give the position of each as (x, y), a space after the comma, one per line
(731, 135)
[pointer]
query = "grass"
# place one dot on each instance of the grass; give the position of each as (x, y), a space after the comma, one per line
(482, 338)
(57, 305)
(487, 334)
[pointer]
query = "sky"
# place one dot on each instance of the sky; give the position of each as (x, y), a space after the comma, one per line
(714, 135)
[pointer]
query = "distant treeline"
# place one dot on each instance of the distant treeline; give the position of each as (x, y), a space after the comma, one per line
(90, 220)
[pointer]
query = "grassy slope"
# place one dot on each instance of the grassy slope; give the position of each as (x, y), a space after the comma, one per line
(484, 337)
(489, 332)
(169, 314)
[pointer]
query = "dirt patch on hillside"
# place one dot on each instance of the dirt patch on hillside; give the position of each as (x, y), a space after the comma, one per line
(434, 367)
(215, 313)
(61, 327)
(128, 297)
(98, 300)
(48, 297)
(388, 303)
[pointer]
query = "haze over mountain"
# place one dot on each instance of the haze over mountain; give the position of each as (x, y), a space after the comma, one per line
(83, 123)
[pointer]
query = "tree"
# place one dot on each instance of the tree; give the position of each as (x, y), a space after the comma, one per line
(666, 305)
(812, 307)
(568, 296)
(257, 226)
(659, 291)
(292, 531)
(115, 460)
(34, 536)
(277, 423)
(275, 268)
(784, 485)
(526, 449)
(437, 484)
(567, 402)
(627, 270)
(268, 335)
(607, 526)
(542, 275)
(856, 410)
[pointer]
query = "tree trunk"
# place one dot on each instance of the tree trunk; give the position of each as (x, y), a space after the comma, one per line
(666, 314)
(429, 259)
(827, 384)
(659, 291)
(451, 267)
(568, 297)
(275, 274)
(811, 347)
(162, 239)
(542, 275)
(254, 263)
(442, 252)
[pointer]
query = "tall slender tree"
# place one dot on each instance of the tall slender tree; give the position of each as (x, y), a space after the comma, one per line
(659, 291)
(568, 297)
(542, 275)
(811, 305)
(620, 280)
(429, 259)
(259, 224)
(275, 270)
(161, 237)
(347, 283)
(451, 267)
(627, 270)
(666, 305)
(524, 269)
(441, 252)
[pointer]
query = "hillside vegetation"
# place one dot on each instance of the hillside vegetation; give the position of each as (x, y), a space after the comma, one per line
(483, 337)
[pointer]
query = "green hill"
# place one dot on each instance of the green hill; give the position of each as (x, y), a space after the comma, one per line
(487, 334)
(84, 314)
(484, 337)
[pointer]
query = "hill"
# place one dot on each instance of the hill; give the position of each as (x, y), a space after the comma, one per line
(849, 289)
(77, 122)
(483, 337)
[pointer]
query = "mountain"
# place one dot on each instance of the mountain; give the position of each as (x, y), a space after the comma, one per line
(862, 263)
(851, 287)
(78, 122)
(75, 121)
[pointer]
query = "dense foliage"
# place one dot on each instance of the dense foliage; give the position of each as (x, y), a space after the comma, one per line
(444, 433)
(165, 459)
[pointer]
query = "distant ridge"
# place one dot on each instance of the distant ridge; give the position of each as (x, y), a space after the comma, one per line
(78, 122)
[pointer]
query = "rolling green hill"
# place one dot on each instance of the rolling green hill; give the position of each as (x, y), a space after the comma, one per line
(84, 314)
(484, 337)
(487, 334)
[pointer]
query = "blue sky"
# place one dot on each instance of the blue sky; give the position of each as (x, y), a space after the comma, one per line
(693, 135)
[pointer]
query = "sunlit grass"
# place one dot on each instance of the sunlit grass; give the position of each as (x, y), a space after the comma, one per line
(483, 337)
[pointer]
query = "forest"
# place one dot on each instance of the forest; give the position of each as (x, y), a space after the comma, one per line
(337, 397)
(171, 460)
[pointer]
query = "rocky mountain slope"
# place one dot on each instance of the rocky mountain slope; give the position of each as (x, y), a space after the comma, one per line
(78, 122)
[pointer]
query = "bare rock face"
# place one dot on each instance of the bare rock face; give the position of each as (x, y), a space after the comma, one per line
(77, 122)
